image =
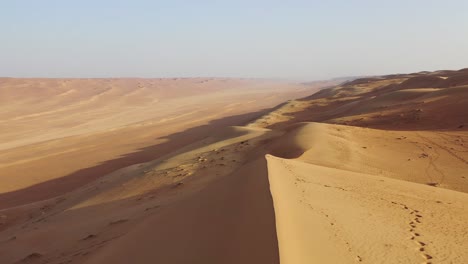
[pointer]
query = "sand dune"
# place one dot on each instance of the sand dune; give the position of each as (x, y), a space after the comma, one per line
(336, 203)
(327, 215)
(168, 196)
(370, 171)
(72, 131)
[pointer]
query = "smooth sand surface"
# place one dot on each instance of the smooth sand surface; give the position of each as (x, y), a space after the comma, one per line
(370, 171)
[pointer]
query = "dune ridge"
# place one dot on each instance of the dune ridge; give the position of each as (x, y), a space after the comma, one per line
(329, 210)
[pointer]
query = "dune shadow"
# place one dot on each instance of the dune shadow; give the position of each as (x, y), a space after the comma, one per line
(67, 183)
(231, 221)
(409, 114)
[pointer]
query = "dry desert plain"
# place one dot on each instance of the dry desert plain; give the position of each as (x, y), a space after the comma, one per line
(374, 170)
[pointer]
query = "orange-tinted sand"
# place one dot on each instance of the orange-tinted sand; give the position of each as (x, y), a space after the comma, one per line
(199, 171)
(58, 134)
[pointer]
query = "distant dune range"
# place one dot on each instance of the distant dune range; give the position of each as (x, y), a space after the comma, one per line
(374, 170)
(84, 128)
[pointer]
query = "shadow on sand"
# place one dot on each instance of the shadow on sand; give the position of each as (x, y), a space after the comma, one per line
(67, 183)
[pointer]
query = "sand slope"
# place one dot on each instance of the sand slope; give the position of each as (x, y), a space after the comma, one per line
(326, 213)
(188, 201)
(231, 221)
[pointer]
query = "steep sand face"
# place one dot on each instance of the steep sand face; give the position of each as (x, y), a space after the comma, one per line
(231, 221)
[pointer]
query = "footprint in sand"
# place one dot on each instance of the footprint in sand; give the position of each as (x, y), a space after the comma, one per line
(413, 227)
(31, 257)
(118, 221)
(91, 236)
(426, 256)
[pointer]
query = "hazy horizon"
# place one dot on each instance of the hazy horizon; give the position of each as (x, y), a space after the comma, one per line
(300, 40)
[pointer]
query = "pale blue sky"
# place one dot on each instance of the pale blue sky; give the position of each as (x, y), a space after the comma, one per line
(267, 39)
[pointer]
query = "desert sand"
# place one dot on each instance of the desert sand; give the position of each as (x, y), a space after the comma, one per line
(59, 134)
(373, 170)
